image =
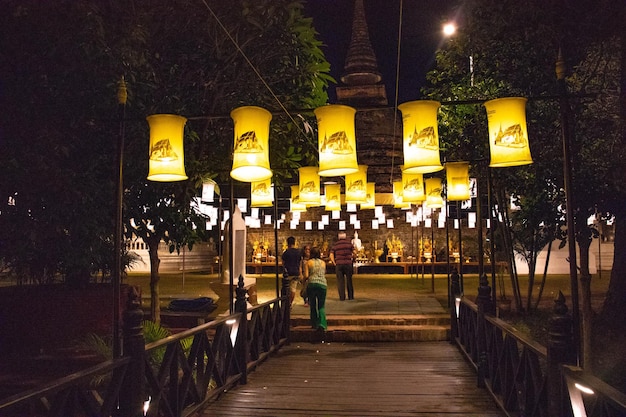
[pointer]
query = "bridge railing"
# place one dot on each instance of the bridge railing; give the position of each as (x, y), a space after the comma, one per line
(175, 376)
(524, 377)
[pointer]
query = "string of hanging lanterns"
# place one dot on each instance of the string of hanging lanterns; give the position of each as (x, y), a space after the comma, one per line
(508, 142)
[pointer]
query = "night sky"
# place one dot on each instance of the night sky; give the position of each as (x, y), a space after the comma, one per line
(421, 35)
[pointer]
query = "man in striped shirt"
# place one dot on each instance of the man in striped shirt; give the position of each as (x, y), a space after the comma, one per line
(341, 255)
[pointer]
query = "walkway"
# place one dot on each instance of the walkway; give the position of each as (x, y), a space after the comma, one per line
(360, 379)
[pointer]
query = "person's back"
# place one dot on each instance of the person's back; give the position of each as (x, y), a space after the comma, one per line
(342, 255)
(291, 263)
(315, 273)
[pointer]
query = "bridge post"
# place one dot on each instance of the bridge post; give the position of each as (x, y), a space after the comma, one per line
(560, 351)
(242, 353)
(132, 393)
(483, 301)
(285, 304)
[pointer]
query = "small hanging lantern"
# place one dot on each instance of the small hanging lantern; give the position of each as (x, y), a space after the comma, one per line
(333, 197)
(458, 182)
(356, 186)
(209, 187)
(398, 200)
(251, 149)
(508, 137)
(262, 193)
(420, 136)
(433, 192)
(167, 153)
(370, 197)
(309, 185)
(336, 140)
(296, 205)
(412, 187)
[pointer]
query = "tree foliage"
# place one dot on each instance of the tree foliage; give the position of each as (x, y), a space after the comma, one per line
(60, 64)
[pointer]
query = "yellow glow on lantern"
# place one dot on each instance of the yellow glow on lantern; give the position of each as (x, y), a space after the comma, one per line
(262, 193)
(333, 197)
(433, 192)
(296, 205)
(420, 136)
(309, 185)
(457, 179)
(167, 153)
(356, 186)
(398, 200)
(412, 187)
(508, 137)
(370, 198)
(336, 140)
(251, 149)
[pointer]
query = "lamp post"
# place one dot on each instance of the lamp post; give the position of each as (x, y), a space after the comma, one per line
(122, 96)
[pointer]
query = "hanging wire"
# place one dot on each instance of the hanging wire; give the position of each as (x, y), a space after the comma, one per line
(258, 74)
(395, 106)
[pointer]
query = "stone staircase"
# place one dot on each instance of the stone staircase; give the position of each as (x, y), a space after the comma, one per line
(375, 328)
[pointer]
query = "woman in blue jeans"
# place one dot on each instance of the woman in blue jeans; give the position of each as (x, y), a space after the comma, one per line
(315, 274)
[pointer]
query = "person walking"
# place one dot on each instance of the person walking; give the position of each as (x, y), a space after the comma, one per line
(291, 263)
(306, 255)
(315, 274)
(341, 255)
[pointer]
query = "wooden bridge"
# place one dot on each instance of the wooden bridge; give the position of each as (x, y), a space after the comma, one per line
(248, 364)
(360, 379)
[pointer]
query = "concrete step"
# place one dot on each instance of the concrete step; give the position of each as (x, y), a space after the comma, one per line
(434, 327)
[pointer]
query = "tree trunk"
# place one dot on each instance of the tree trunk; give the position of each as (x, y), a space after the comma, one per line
(532, 265)
(545, 275)
(584, 244)
(614, 307)
(155, 306)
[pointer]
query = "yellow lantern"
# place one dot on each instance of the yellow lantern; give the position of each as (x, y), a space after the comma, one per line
(333, 197)
(251, 149)
(433, 192)
(167, 153)
(356, 186)
(398, 200)
(296, 205)
(262, 193)
(420, 136)
(457, 178)
(309, 185)
(412, 187)
(508, 137)
(336, 140)
(370, 198)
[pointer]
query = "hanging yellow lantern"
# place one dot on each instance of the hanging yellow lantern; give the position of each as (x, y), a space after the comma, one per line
(370, 198)
(296, 205)
(457, 178)
(420, 136)
(167, 153)
(412, 187)
(209, 187)
(356, 186)
(508, 137)
(251, 149)
(336, 140)
(398, 200)
(433, 192)
(309, 185)
(333, 197)
(262, 193)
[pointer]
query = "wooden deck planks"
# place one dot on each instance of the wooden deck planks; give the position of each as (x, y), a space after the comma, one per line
(360, 379)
